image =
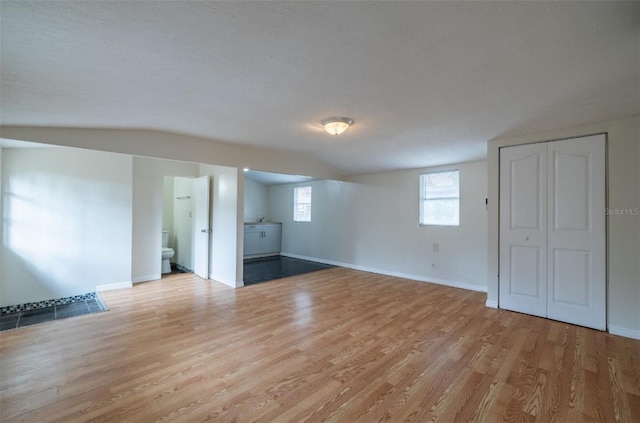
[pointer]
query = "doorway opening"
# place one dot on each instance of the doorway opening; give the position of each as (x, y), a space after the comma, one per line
(186, 225)
(177, 225)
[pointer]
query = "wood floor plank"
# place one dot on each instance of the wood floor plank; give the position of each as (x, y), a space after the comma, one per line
(336, 345)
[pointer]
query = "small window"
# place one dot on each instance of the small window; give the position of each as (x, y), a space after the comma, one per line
(302, 204)
(440, 198)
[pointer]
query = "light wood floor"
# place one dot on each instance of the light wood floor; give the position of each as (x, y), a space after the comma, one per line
(336, 345)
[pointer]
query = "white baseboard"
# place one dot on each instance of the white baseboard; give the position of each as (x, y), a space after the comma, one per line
(229, 283)
(626, 332)
(491, 303)
(146, 278)
(112, 286)
(260, 256)
(453, 284)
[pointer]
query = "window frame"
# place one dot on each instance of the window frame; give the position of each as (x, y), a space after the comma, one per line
(422, 198)
(296, 203)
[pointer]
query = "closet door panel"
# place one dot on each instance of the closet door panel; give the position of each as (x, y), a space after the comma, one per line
(523, 229)
(524, 271)
(577, 237)
(571, 189)
(572, 276)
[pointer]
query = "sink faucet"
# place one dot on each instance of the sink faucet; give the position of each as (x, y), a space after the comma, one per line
(260, 219)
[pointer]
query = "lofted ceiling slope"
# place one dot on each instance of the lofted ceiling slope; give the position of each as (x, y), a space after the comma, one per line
(427, 83)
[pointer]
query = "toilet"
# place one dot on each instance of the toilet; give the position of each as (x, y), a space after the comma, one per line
(167, 252)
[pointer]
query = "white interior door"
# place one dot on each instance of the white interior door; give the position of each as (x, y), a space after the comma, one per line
(576, 234)
(553, 230)
(202, 228)
(523, 229)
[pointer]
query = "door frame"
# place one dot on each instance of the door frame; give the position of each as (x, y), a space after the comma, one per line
(202, 230)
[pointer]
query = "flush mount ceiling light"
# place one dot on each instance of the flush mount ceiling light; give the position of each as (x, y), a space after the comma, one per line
(336, 125)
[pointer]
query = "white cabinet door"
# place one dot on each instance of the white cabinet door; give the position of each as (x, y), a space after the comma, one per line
(553, 230)
(272, 239)
(576, 234)
(252, 239)
(523, 229)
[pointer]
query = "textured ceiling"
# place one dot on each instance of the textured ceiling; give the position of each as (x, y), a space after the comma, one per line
(427, 83)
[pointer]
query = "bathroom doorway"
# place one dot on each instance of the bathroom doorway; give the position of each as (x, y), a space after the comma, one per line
(177, 218)
(186, 221)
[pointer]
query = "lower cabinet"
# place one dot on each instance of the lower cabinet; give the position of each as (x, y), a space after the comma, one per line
(272, 239)
(262, 239)
(252, 240)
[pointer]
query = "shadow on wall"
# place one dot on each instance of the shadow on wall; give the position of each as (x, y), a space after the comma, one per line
(25, 283)
(36, 247)
(43, 244)
(66, 223)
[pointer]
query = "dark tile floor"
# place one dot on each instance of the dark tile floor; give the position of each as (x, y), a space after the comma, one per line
(41, 315)
(276, 267)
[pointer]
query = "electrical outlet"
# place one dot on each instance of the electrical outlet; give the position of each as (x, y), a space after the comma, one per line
(436, 247)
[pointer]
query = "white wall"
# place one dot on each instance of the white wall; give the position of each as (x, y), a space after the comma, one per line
(166, 145)
(256, 200)
(329, 234)
(371, 222)
(148, 193)
(226, 241)
(623, 167)
(66, 223)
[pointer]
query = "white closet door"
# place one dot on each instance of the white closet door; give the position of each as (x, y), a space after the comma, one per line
(576, 253)
(523, 229)
(553, 230)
